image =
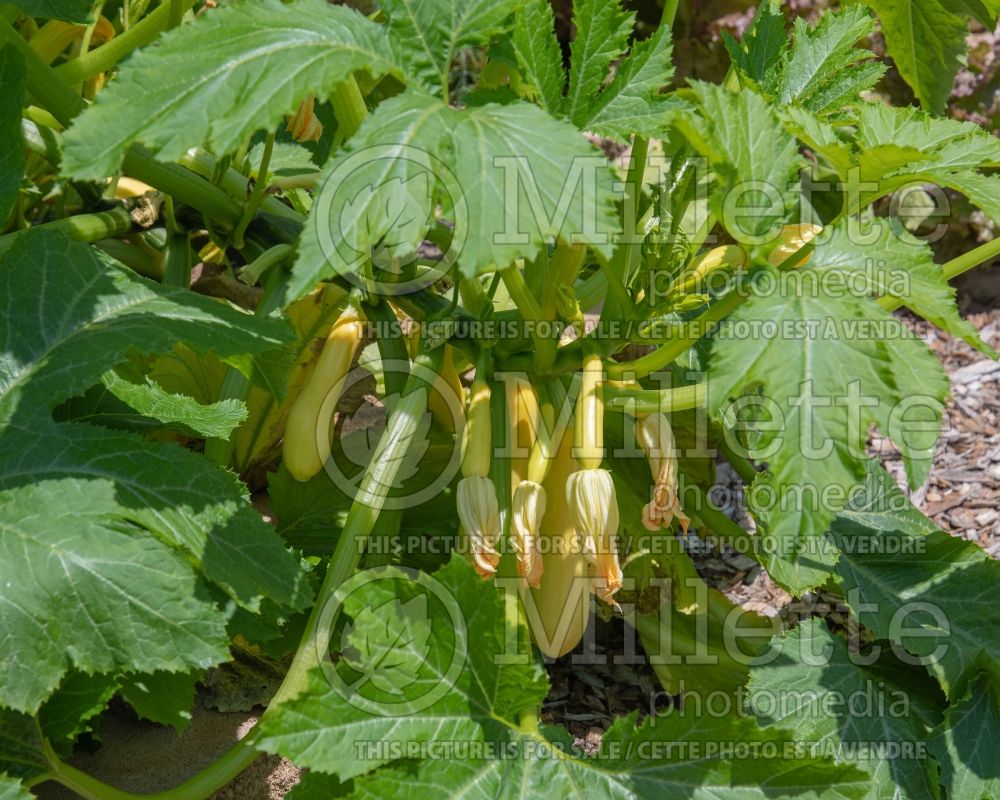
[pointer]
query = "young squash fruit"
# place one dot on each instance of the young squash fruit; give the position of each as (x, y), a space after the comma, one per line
(309, 430)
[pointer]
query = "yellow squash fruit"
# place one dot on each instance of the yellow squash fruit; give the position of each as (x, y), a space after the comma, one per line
(559, 609)
(309, 429)
(794, 238)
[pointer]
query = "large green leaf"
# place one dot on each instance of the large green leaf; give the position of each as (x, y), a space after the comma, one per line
(320, 729)
(967, 743)
(942, 151)
(502, 758)
(128, 528)
(69, 10)
(84, 590)
(829, 366)
(904, 268)
(750, 152)
(426, 35)
(933, 593)
(12, 97)
(824, 69)
(511, 176)
(673, 757)
(926, 39)
(817, 691)
(195, 86)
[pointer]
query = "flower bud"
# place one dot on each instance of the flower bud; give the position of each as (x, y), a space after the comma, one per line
(479, 513)
(590, 494)
(303, 125)
(657, 439)
(527, 510)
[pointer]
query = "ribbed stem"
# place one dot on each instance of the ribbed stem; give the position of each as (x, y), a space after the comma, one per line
(82, 228)
(112, 52)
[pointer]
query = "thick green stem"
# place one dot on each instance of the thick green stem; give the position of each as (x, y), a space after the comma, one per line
(669, 12)
(655, 401)
(349, 106)
(527, 305)
(177, 9)
(202, 785)
(381, 475)
(665, 355)
(82, 228)
(253, 202)
(618, 270)
(112, 52)
(52, 93)
(953, 269)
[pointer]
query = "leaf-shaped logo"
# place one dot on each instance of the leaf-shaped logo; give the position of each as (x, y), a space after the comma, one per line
(388, 643)
(389, 220)
(359, 446)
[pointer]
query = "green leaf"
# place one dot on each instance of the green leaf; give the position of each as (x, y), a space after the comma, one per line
(501, 758)
(632, 104)
(21, 754)
(68, 10)
(265, 55)
(150, 400)
(426, 35)
(69, 712)
(317, 786)
(883, 507)
(11, 789)
(815, 447)
(930, 592)
(829, 700)
(86, 592)
(926, 39)
(470, 158)
(759, 55)
(750, 152)
(321, 729)
(983, 10)
(672, 756)
(602, 31)
(967, 742)
(126, 528)
(824, 69)
(942, 151)
(165, 698)
(12, 98)
(904, 268)
(539, 56)
(93, 311)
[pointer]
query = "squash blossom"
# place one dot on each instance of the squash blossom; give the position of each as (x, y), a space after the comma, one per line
(590, 492)
(527, 511)
(304, 125)
(478, 509)
(657, 440)
(479, 514)
(794, 238)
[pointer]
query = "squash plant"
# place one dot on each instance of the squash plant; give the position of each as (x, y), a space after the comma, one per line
(419, 180)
